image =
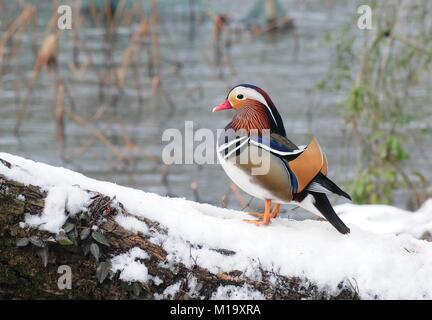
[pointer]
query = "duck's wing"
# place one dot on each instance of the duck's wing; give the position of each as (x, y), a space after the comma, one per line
(287, 150)
(283, 141)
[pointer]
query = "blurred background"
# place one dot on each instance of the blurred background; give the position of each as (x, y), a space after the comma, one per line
(96, 98)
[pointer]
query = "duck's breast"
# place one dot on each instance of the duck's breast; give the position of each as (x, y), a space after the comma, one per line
(257, 172)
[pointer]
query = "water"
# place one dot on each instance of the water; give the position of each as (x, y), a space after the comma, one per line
(286, 65)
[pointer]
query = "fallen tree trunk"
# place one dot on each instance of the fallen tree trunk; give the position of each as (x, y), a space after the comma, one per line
(30, 258)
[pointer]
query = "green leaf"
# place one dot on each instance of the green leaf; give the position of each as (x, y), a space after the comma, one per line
(103, 270)
(68, 227)
(22, 242)
(62, 239)
(136, 289)
(43, 253)
(94, 249)
(73, 235)
(37, 242)
(99, 237)
(85, 233)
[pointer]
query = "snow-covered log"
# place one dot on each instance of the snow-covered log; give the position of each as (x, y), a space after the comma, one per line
(123, 243)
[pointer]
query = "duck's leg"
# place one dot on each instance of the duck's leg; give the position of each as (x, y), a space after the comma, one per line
(266, 219)
(276, 210)
(274, 214)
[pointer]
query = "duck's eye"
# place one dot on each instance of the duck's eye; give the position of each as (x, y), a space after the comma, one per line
(240, 96)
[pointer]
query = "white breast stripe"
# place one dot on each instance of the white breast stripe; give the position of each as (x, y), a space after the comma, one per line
(230, 143)
(282, 153)
(234, 150)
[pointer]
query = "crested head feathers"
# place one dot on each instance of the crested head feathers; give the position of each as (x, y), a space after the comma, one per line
(256, 99)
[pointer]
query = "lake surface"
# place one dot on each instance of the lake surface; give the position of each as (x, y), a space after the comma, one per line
(286, 65)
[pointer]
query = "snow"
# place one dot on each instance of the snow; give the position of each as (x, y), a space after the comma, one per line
(60, 199)
(130, 267)
(157, 281)
(388, 219)
(193, 287)
(382, 254)
(132, 224)
(237, 293)
(169, 292)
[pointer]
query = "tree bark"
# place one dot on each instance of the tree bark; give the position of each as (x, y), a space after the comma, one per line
(30, 258)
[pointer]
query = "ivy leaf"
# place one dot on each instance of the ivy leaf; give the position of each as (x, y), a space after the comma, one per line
(85, 233)
(145, 286)
(94, 249)
(36, 241)
(99, 237)
(22, 242)
(73, 235)
(68, 227)
(103, 270)
(43, 253)
(62, 239)
(136, 288)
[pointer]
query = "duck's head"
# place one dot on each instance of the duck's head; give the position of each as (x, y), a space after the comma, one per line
(254, 109)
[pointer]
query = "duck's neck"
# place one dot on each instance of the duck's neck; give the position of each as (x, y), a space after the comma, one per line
(250, 118)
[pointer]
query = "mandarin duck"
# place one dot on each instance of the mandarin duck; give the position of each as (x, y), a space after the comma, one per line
(295, 175)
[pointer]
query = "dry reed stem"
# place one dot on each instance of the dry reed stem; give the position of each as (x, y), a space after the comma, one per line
(59, 119)
(26, 15)
(273, 25)
(88, 144)
(47, 56)
(96, 132)
(130, 51)
(155, 43)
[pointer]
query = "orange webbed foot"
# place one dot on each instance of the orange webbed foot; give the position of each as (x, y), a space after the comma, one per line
(264, 218)
(256, 214)
(259, 222)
